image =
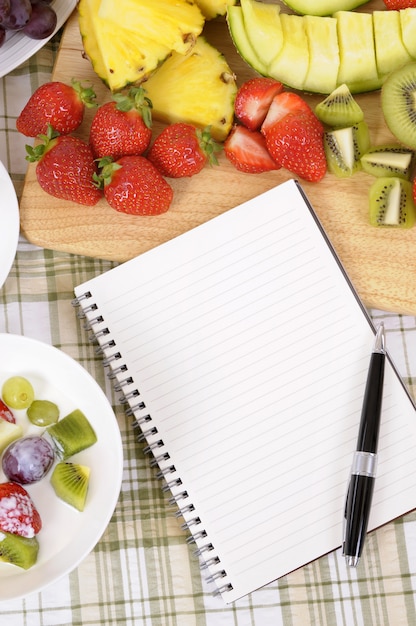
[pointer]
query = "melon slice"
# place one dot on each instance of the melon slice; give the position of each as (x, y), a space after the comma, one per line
(322, 7)
(263, 28)
(292, 63)
(236, 26)
(324, 59)
(358, 67)
(408, 30)
(387, 28)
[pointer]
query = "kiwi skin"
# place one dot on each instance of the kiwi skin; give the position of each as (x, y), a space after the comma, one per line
(391, 203)
(398, 97)
(70, 482)
(71, 434)
(20, 551)
(344, 148)
(339, 109)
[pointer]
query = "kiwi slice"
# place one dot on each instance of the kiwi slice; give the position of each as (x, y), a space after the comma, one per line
(70, 482)
(72, 434)
(389, 160)
(17, 550)
(391, 203)
(344, 148)
(339, 108)
(398, 103)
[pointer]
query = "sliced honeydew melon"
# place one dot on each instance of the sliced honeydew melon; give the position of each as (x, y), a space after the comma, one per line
(263, 29)
(322, 7)
(239, 36)
(292, 63)
(324, 59)
(390, 50)
(358, 67)
(408, 30)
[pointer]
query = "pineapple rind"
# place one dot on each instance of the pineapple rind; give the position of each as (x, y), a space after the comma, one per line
(175, 25)
(198, 88)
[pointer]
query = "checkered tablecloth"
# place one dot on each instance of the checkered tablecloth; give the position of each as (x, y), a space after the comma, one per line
(142, 571)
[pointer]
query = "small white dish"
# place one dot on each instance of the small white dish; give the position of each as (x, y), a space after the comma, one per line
(9, 223)
(18, 47)
(67, 535)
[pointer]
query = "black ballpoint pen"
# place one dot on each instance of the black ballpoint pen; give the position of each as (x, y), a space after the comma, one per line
(361, 485)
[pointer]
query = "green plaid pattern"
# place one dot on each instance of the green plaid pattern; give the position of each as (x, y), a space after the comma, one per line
(142, 571)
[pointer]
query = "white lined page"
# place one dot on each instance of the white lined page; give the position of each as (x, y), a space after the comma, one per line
(250, 351)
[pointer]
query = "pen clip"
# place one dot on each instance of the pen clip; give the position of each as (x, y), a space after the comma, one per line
(344, 528)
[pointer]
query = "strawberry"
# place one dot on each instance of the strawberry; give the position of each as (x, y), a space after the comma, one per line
(253, 99)
(399, 4)
(183, 150)
(57, 104)
(134, 185)
(246, 150)
(288, 102)
(6, 414)
(122, 126)
(295, 144)
(18, 514)
(65, 168)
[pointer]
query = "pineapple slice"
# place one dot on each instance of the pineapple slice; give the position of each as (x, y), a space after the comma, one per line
(212, 8)
(198, 88)
(126, 41)
(175, 25)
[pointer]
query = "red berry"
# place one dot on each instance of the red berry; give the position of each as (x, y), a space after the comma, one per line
(18, 514)
(183, 150)
(57, 104)
(246, 150)
(134, 185)
(253, 100)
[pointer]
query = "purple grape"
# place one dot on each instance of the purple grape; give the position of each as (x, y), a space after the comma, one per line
(28, 459)
(19, 15)
(42, 22)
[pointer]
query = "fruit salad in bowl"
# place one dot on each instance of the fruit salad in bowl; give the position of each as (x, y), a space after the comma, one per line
(61, 465)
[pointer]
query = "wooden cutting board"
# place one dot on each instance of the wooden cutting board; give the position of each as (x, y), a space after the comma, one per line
(381, 263)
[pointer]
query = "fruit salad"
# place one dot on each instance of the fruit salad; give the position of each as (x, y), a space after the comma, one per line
(37, 444)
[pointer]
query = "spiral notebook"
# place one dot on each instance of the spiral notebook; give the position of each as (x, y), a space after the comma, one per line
(242, 350)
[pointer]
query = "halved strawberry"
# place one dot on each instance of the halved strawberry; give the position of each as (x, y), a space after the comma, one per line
(288, 102)
(253, 99)
(246, 150)
(18, 514)
(6, 414)
(295, 144)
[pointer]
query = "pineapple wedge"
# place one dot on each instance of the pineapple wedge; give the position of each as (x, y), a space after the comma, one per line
(213, 8)
(198, 88)
(126, 41)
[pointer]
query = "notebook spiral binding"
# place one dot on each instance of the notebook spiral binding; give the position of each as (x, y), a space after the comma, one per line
(123, 382)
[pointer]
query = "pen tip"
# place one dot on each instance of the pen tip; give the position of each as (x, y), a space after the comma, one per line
(379, 345)
(352, 561)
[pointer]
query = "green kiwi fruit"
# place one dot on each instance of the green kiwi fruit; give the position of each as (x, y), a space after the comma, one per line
(20, 551)
(389, 160)
(339, 109)
(344, 148)
(72, 434)
(391, 203)
(70, 482)
(398, 103)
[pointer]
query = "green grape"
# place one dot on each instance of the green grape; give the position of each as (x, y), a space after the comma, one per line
(43, 412)
(17, 392)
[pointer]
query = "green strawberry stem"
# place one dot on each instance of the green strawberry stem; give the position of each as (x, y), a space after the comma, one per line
(136, 99)
(107, 166)
(208, 145)
(86, 94)
(35, 153)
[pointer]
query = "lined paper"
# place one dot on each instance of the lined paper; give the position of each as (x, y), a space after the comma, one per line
(250, 351)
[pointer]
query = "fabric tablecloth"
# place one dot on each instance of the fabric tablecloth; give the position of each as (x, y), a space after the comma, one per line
(142, 571)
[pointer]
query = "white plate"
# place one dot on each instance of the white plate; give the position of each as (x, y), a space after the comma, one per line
(18, 47)
(9, 223)
(67, 535)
